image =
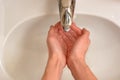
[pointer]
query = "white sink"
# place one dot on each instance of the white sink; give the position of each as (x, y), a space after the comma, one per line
(25, 50)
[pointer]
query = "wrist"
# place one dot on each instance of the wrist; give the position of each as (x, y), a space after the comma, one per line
(77, 67)
(53, 69)
(75, 57)
(72, 59)
(55, 59)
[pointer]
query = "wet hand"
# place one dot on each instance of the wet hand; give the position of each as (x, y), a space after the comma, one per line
(56, 44)
(78, 42)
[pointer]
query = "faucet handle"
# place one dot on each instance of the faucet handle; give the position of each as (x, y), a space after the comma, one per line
(66, 10)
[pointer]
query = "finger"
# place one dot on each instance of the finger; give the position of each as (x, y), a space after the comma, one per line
(76, 29)
(60, 28)
(57, 27)
(73, 34)
(58, 23)
(50, 32)
(85, 34)
(51, 29)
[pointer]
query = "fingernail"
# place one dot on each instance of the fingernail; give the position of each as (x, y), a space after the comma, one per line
(84, 29)
(51, 26)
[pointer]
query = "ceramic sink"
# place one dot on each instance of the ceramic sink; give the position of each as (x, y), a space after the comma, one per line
(25, 51)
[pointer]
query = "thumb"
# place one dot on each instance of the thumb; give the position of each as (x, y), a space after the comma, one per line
(51, 30)
(85, 33)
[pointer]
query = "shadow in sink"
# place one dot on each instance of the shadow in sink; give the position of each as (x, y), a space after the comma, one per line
(25, 50)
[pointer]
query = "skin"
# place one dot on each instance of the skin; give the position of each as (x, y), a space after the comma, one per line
(67, 48)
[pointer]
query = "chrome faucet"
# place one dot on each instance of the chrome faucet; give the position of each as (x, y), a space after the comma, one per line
(66, 10)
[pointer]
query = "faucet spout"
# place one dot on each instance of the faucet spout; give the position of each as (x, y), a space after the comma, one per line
(66, 10)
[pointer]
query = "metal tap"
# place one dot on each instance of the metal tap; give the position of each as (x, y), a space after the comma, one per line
(66, 10)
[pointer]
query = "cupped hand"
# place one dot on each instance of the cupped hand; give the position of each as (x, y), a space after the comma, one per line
(81, 45)
(78, 42)
(56, 44)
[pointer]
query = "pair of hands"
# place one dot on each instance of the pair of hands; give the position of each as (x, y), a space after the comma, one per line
(67, 45)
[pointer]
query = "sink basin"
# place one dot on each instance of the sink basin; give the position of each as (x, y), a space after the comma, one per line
(25, 50)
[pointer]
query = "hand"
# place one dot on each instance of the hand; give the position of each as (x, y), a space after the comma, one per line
(81, 45)
(57, 53)
(56, 44)
(78, 42)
